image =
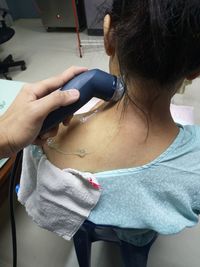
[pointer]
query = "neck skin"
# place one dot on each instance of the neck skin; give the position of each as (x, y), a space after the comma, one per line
(157, 121)
(149, 111)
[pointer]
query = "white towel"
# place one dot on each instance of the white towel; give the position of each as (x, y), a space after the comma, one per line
(57, 200)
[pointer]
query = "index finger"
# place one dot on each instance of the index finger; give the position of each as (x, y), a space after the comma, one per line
(49, 85)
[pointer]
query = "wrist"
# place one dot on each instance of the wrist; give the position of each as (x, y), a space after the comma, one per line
(5, 146)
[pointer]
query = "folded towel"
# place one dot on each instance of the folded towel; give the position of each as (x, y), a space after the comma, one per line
(57, 200)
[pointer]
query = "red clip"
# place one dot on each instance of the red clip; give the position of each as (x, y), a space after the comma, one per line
(95, 185)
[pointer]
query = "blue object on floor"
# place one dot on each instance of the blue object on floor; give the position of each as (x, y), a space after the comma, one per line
(17, 188)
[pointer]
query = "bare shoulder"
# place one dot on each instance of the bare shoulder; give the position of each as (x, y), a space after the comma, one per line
(78, 145)
(101, 141)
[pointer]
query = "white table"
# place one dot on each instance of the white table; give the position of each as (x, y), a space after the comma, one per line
(8, 92)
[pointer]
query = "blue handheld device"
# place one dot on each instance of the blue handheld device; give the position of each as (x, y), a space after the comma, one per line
(93, 83)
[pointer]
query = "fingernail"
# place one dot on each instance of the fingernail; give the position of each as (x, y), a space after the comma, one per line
(73, 92)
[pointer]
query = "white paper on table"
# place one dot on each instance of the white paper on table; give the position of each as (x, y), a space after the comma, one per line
(2, 162)
(182, 114)
(88, 106)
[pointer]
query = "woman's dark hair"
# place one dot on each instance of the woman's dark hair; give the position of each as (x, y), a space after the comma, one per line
(157, 40)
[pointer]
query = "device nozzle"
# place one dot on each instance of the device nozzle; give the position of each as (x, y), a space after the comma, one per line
(120, 89)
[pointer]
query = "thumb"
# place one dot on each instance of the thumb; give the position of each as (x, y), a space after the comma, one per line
(55, 100)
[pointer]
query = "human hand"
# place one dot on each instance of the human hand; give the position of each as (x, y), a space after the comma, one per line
(21, 123)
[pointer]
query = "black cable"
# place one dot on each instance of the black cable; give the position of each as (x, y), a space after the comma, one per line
(11, 204)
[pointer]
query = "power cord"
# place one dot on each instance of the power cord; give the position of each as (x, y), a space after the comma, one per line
(13, 178)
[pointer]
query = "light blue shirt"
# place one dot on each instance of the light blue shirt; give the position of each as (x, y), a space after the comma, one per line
(163, 195)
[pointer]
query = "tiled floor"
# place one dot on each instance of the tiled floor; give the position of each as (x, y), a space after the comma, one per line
(47, 54)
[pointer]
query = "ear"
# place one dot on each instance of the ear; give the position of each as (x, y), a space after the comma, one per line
(108, 36)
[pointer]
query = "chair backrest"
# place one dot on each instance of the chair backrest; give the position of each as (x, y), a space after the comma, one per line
(90, 232)
(6, 33)
(3, 13)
